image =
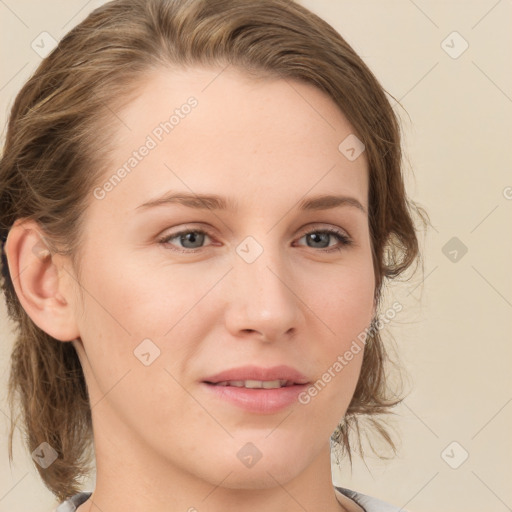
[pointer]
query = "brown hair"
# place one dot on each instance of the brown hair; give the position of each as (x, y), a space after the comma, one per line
(54, 154)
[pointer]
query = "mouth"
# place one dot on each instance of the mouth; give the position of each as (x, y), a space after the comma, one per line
(255, 384)
(255, 396)
(255, 377)
(257, 389)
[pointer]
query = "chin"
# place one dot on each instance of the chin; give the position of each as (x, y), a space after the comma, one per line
(256, 479)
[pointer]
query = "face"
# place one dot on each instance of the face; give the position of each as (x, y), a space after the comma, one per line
(174, 293)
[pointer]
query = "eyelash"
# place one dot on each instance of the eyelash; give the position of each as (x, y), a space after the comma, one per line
(344, 240)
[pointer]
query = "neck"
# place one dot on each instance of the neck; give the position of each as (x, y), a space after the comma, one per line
(131, 476)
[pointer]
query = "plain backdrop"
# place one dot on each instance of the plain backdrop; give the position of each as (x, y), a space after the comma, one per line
(448, 63)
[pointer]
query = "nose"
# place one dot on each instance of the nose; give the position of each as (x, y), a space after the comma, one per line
(263, 298)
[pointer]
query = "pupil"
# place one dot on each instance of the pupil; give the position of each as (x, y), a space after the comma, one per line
(317, 237)
(192, 237)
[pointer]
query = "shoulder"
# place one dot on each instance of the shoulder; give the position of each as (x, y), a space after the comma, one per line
(71, 504)
(368, 503)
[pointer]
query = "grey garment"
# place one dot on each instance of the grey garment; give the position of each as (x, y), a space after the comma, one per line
(71, 504)
(368, 503)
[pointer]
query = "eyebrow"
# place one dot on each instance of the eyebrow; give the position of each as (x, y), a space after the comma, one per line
(216, 202)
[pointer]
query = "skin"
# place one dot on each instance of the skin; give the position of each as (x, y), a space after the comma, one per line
(162, 443)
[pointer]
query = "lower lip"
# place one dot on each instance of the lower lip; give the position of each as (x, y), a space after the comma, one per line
(260, 401)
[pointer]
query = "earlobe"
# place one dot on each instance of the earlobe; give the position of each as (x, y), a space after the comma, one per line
(38, 282)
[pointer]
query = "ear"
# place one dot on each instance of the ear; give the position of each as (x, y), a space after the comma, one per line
(40, 281)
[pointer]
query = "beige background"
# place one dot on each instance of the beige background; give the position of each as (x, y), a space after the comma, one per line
(454, 333)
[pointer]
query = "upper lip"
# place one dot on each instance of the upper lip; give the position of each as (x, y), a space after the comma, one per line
(250, 372)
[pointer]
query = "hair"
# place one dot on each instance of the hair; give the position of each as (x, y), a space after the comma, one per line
(54, 154)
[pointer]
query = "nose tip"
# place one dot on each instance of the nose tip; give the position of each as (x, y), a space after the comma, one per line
(261, 300)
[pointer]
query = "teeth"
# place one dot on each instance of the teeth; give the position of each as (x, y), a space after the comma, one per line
(254, 384)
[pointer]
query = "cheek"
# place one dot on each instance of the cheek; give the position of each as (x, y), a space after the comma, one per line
(344, 300)
(124, 308)
(344, 309)
(136, 302)
(127, 304)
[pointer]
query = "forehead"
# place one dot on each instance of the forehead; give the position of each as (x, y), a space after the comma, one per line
(220, 131)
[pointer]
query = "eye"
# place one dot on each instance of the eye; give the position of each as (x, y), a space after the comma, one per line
(321, 237)
(191, 239)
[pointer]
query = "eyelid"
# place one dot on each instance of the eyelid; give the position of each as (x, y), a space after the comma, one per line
(319, 226)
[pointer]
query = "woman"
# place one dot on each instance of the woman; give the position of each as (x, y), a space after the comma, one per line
(200, 203)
